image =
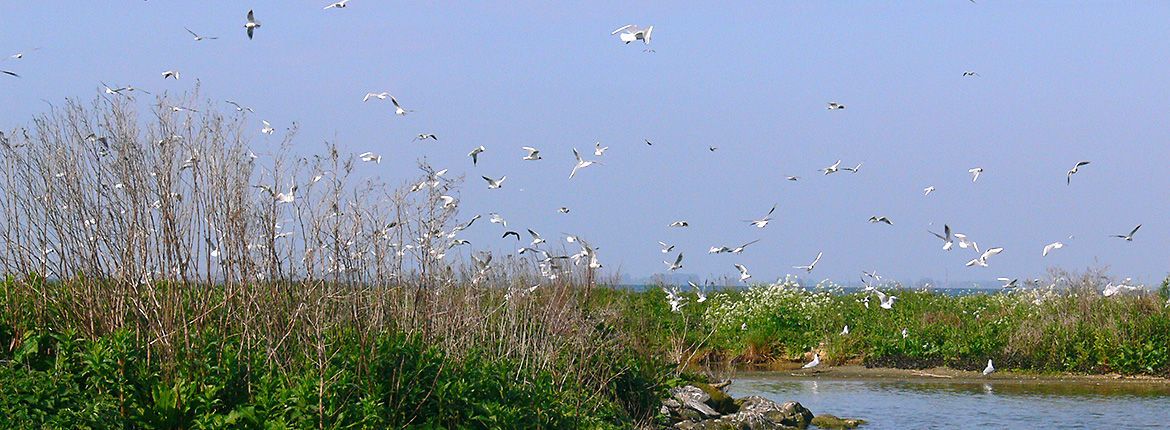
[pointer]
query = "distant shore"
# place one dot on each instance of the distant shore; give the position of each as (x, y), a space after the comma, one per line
(946, 374)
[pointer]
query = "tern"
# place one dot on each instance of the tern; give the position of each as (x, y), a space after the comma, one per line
(1129, 237)
(835, 106)
(533, 153)
(252, 24)
(676, 265)
(495, 183)
(1073, 171)
(816, 361)
(743, 273)
(832, 169)
(1049, 247)
(599, 150)
(975, 171)
(877, 219)
(631, 32)
(380, 96)
(926, 191)
(581, 164)
(946, 237)
(989, 369)
(887, 302)
(679, 224)
(763, 222)
(982, 260)
(474, 154)
(339, 5)
(199, 38)
(172, 74)
(370, 156)
(810, 266)
(665, 247)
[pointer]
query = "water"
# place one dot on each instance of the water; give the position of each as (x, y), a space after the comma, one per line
(930, 404)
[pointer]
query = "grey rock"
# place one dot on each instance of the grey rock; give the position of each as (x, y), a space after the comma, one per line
(695, 398)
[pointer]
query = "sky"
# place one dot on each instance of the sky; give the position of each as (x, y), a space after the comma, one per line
(1059, 82)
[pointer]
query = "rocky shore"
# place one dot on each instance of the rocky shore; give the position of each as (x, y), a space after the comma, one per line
(706, 407)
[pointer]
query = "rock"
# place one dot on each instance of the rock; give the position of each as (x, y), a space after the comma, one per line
(760, 413)
(827, 421)
(688, 414)
(718, 400)
(706, 407)
(671, 403)
(695, 398)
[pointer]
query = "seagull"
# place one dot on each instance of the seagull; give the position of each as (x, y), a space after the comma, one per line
(10, 73)
(536, 239)
(1008, 282)
(598, 149)
(845, 331)
(743, 273)
(1073, 171)
(926, 191)
(810, 266)
(982, 260)
(905, 333)
(835, 106)
(474, 154)
(946, 237)
(267, 128)
(676, 265)
(740, 248)
(631, 32)
(563, 209)
(239, 107)
(199, 38)
(698, 292)
(398, 110)
(512, 233)
(679, 224)
(814, 363)
(718, 250)
(533, 153)
(448, 201)
(497, 219)
(648, 143)
(763, 222)
(338, 5)
(964, 243)
(495, 183)
(852, 169)
(666, 248)
(431, 136)
(380, 96)
(792, 178)
(173, 74)
(252, 24)
(1049, 247)
(887, 302)
(581, 164)
(1112, 290)
(286, 198)
(970, 73)
(877, 219)
(989, 369)
(711, 148)
(975, 171)
(832, 169)
(1129, 237)
(675, 299)
(370, 156)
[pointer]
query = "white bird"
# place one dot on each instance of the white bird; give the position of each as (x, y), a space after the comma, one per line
(926, 191)
(676, 265)
(495, 183)
(845, 331)
(536, 239)
(792, 178)
(1008, 282)
(631, 32)
(679, 224)
(287, 198)
(252, 24)
(832, 169)
(533, 153)
(338, 5)
(982, 260)
(1073, 171)
(172, 74)
(199, 38)
(877, 219)
(497, 219)
(975, 171)
(989, 369)
(763, 222)
(740, 248)
(970, 72)
(718, 250)
(599, 150)
(425, 136)
(946, 237)
(887, 302)
(1129, 237)
(398, 110)
(267, 128)
(474, 154)
(964, 243)
(1049, 247)
(905, 333)
(666, 248)
(380, 96)
(814, 363)
(743, 273)
(239, 107)
(370, 156)
(581, 164)
(448, 201)
(852, 169)
(702, 295)
(1111, 289)
(675, 299)
(810, 266)
(835, 106)
(563, 209)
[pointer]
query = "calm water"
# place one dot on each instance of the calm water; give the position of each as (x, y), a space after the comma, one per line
(890, 404)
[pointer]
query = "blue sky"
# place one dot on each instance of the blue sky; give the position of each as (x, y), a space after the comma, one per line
(1059, 82)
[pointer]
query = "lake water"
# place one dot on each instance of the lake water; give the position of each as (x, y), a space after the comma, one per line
(931, 404)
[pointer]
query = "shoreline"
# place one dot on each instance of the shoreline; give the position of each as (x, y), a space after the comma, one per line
(947, 375)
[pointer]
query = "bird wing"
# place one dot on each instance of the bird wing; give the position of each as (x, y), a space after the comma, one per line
(192, 32)
(741, 268)
(990, 252)
(251, 18)
(814, 263)
(534, 234)
(395, 101)
(749, 243)
(619, 30)
(678, 260)
(1135, 229)
(1082, 163)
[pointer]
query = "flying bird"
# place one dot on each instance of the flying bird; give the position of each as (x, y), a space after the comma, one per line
(964, 243)
(495, 183)
(199, 38)
(887, 302)
(877, 219)
(982, 260)
(239, 107)
(1129, 237)
(563, 209)
(1049, 247)
(380, 96)
(370, 156)
(510, 233)
(946, 237)
(926, 191)
(975, 171)
(497, 219)
(763, 222)
(743, 273)
(676, 265)
(474, 154)
(1008, 282)
(581, 164)
(339, 5)
(832, 169)
(599, 150)
(679, 224)
(970, 72)
(835, 106)
(740, 248)
(1073, 171)
(809, 268)
(10, 73)
(792, 178)
(425, 136)
(631, 32)
(172, 74)
(852, 169)
(536, 239)
(267, 128)
(252, 24)
(533, 153)
(398, 110)
(665, 247)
